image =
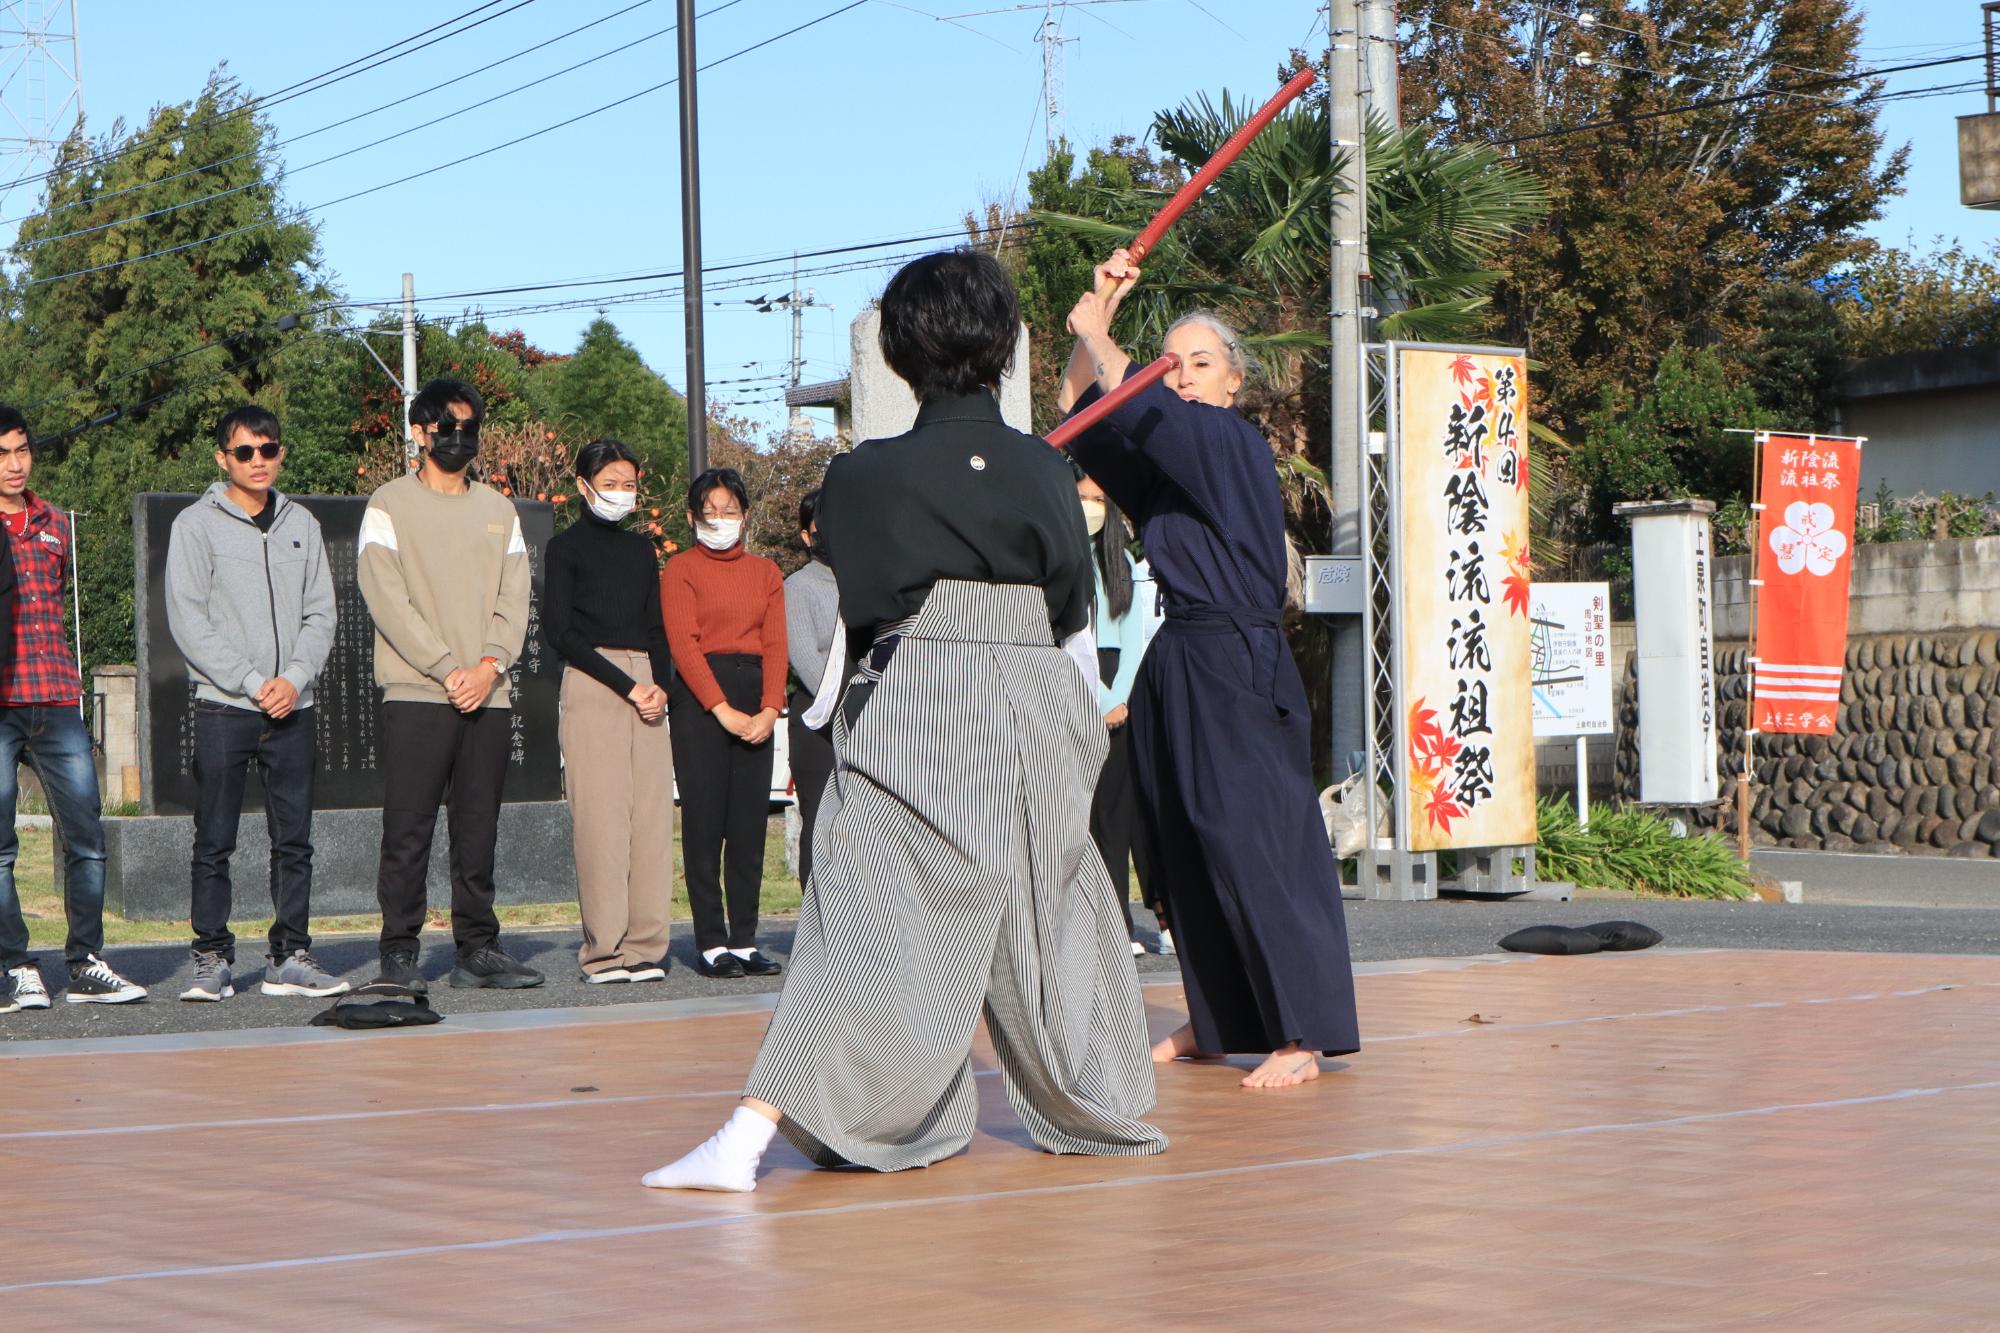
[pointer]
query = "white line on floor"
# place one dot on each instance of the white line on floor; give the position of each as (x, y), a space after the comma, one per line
(573, 1103)
(570, 1235)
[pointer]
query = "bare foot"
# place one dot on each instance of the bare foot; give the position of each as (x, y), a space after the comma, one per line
(1178, 1045)
(1286, 1068)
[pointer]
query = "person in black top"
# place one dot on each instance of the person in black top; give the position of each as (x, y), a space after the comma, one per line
(953, 872)
(601, 611)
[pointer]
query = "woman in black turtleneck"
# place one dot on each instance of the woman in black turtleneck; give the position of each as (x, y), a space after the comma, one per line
(601, 611)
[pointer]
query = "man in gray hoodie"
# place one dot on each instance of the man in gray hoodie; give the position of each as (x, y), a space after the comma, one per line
(250, 603)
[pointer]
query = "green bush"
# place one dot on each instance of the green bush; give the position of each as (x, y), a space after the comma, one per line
(1630, 849)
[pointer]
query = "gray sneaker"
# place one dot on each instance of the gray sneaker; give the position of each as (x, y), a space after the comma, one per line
(211, 978)
(300, 975)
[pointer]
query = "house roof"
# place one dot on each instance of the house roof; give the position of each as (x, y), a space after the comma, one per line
(827, 393)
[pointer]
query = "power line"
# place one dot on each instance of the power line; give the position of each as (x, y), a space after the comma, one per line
(1706, 103)
(290, 320)
(1858, 102)
(301, 213)
(676, 273)
(319, 81)
(484, 68)
(119, 413)
(376, 143)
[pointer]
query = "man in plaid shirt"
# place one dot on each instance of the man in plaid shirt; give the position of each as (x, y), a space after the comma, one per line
(41, 721)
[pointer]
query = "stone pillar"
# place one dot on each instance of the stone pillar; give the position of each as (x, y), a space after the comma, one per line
(882, 404)
(114, 724)
(1673, 608)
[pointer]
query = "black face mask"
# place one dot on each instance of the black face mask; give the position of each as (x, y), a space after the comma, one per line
(453, 451)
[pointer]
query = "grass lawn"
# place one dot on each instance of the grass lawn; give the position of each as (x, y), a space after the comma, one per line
(34, 879)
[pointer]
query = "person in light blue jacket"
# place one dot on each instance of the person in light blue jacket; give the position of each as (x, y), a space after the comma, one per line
(1123, 619)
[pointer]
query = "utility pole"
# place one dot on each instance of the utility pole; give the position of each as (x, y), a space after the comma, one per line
(1050, 35)
(1348, 388)
(41, 85)
(697, 395)
(798, 303)
(1381, 75)
(409, 362)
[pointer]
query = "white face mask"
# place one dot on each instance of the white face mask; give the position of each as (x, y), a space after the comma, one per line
(612, 505)
(1093, 516)
(718, 534)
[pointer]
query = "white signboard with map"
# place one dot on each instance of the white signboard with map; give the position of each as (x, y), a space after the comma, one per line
(1570, 646)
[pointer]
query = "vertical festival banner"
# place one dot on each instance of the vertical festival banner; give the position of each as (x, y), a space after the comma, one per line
(1805, 561)
(1464, 631)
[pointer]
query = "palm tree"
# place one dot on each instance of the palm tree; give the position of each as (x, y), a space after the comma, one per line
(1256, 249)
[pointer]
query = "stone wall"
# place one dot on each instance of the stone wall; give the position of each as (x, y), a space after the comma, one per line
(1911, 768)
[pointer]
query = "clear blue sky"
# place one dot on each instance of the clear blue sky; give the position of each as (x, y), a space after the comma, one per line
(881, 122)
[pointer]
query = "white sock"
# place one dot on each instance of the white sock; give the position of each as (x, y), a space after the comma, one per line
(710, 955)
(744, 954)
(727, 1162)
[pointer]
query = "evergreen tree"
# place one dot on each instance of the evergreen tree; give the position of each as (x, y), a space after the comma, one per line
(607, 389)
(122, 312)
(1665, 230)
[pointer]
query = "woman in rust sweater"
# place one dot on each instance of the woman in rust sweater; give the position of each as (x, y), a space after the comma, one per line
(725, 614)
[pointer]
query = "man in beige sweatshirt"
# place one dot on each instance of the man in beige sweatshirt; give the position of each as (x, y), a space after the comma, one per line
(444, 569)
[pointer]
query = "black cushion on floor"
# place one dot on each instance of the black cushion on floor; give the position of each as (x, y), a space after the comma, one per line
(358, 1016)
(1618, 936)
(1552, 940)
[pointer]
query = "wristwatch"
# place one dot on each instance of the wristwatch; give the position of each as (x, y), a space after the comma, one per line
(498, 670)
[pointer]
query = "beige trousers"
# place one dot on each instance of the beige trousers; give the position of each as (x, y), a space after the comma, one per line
(618, 773)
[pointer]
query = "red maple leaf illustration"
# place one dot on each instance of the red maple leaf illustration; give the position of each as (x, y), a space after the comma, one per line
(1424, 730)
(1442, 808)
(1514, 587)
(1521, 470)
(1484, 393)
(1462, 369)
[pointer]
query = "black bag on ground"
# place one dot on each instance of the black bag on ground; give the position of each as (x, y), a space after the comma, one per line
(1552, 940)
(356, 1012)
(1619, 936)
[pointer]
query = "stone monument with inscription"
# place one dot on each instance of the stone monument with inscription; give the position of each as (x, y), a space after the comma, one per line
(146, 872)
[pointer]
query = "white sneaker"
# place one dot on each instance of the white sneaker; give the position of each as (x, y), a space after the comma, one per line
(1166, 941)
(649, 972)
(1138, 949)
(29, 992)
(607, 976)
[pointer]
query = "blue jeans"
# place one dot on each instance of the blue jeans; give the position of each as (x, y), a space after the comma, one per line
(226, 742)
(52, 741)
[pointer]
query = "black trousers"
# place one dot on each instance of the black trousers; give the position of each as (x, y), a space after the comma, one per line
(432, 754)
(1118, 828)
(226, 742)
(812, 765)
(725, 789)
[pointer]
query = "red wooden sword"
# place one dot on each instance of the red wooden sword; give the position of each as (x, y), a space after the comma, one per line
(1215, 166)
(1110, 402)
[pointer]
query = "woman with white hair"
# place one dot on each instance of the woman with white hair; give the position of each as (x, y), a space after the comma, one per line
(1220, 728)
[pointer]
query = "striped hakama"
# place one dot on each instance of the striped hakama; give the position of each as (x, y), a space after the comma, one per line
(953, 872)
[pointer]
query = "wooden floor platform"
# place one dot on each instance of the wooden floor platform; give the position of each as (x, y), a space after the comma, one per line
(1655, 1140)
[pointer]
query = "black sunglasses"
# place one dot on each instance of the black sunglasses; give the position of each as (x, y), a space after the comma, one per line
(243, 453)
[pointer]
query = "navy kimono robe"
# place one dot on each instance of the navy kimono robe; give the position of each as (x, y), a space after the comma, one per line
(1221, 733)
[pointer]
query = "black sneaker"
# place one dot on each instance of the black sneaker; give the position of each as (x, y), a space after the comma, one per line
(726, 965)
(757, 965)
(494, 968)
(93, 982)
(399, 968)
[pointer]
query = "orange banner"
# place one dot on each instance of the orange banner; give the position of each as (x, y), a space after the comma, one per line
(1805, 560)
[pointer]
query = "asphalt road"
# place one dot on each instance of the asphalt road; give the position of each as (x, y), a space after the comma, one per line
(1378, 931)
